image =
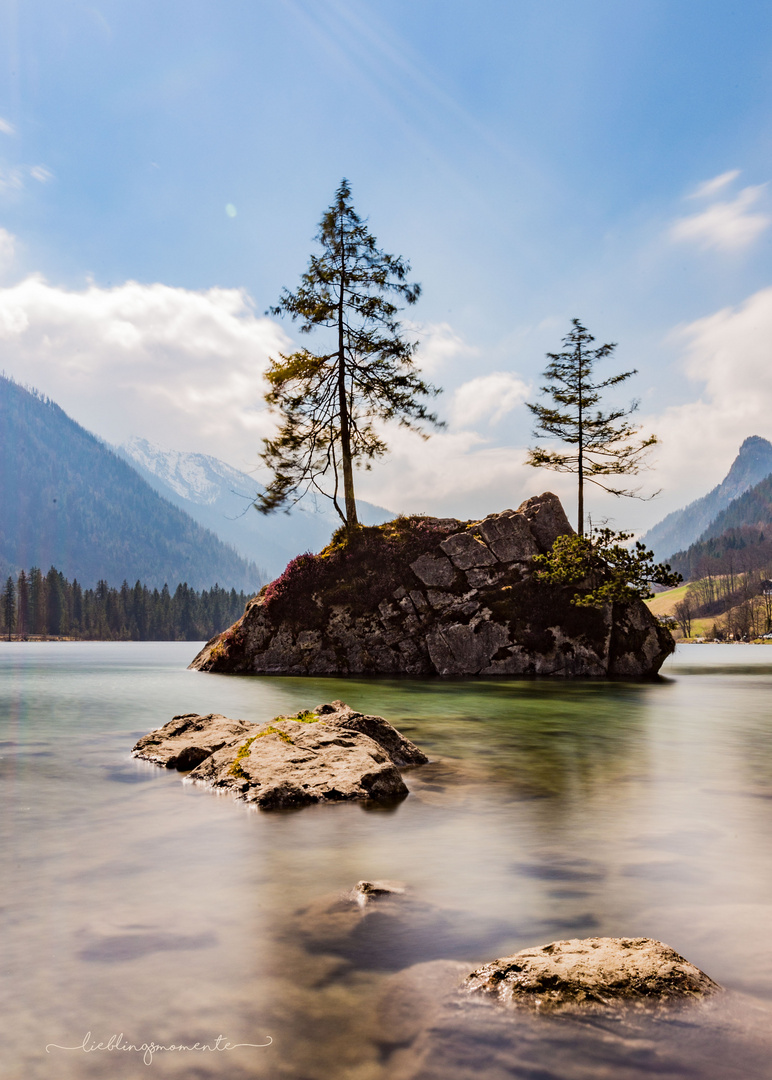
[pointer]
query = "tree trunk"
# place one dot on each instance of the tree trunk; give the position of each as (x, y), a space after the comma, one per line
(345, 450)
(580, 509)
(345, 435)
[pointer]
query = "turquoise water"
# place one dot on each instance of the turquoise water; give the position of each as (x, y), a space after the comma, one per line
(134, 905)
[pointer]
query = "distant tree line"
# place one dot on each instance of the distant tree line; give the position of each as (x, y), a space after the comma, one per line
(740, 601)
(739, 549)
(48, 605)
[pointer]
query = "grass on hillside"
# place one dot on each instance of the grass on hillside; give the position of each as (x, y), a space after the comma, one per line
(664, 602)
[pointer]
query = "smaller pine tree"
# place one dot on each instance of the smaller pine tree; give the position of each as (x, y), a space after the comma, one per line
(600, 444)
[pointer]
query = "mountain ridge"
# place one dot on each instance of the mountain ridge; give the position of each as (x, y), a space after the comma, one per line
(71, 502)
(681, 528)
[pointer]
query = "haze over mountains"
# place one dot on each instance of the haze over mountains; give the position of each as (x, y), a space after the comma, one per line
(143, 512)
(682, 528)
(220, 498)
(66, 500)
(138, 513)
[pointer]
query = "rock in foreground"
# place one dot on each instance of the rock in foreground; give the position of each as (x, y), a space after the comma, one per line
(330, 754)
(428, 596)
(590, 970)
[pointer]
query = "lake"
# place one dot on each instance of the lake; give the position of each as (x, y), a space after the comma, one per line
(137, 910)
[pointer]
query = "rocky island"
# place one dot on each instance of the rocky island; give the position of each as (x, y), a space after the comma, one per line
(425, 596)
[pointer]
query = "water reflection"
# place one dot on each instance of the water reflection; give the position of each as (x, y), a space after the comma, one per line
(132, 903)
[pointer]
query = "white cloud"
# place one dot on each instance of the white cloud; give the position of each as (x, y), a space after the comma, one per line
(41, 174)
(488, 397)
(729, 354)
(709, 188)
(11, 180)
(7, 250)
(6, 127)
(182, 367)
(453, 473)
(725, 226)
(438, 344)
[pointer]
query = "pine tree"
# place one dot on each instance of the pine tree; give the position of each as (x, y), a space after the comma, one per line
(9, 606)
(332, 402)
(601, 443)
(22, 605)
(37, 602)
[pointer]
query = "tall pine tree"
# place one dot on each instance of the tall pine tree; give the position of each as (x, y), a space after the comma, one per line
(332, 401)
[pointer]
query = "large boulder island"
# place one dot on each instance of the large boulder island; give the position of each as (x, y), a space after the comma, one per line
(426, 596)
(328, 755)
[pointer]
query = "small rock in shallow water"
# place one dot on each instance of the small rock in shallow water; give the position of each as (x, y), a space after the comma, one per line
(590, 970)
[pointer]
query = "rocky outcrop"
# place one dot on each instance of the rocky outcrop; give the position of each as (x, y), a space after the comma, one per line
(330, 754)
(429, 596)
(590, 970)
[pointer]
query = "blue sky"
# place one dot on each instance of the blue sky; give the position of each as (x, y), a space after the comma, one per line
(163, 167)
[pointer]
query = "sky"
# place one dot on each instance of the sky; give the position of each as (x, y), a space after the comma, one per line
(164, 167)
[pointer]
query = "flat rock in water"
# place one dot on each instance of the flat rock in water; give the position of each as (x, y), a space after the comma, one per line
(330, 754)
(189, 739)
(590, 970)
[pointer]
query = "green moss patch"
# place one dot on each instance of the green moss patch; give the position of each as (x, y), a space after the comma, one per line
(243, 751)
(303, 717)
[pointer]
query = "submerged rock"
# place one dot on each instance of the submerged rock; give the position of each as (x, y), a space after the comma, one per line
(429, 596)
(330, 754)
(597, 970)
(382, 925)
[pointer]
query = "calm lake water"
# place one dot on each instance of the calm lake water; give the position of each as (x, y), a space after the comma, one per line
(133, 905)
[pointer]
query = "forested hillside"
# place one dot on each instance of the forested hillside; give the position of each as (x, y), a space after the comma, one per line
(739, 539)
(70, 502)
(37, 605)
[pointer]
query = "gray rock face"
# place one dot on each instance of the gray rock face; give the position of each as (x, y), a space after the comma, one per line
(590, 970)
(333, 753)
(425, 597)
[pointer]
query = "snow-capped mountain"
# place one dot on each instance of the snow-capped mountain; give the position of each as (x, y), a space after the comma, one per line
(71, 503)
(197, 477)
(220, 498)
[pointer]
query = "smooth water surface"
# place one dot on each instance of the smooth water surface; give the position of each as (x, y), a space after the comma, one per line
(135, 905)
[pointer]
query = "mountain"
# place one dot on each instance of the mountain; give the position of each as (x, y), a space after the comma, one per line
(683, 527)
(220, 498)
(68, 501)
(752, 508)
(738, 539)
